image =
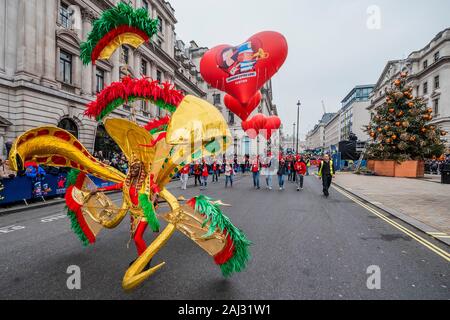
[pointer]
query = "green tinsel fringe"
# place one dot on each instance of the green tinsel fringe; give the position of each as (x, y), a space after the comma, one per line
(119, 101)
(149, 212)
(72, 177)
(122, 14)
(159, 129)
(76, 227)
(218, 220)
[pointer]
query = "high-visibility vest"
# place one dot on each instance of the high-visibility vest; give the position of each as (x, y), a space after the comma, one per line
(331, 168)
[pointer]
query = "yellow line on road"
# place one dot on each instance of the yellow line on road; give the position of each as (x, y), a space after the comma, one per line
(413, 235)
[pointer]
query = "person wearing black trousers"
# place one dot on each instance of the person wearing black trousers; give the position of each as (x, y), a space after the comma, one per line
(326, 173)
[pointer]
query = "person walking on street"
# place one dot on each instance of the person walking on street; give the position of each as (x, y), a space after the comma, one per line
(205, 175)
(308, 165)
(282, 170)
(197, 173)
(289, 167)
(255, 172)
(184, 177)
(229, 173)
(300, 171)
(326, 173)
(215, 170)
(266, 170)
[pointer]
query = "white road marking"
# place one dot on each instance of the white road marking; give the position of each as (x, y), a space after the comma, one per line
(53, 218)
(10, 229)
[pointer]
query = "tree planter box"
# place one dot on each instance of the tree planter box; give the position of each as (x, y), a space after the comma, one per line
(371, 165)
(391, 168)
(410, 169)
(384, 168)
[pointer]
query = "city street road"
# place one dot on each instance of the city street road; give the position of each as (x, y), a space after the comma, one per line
(304, 247)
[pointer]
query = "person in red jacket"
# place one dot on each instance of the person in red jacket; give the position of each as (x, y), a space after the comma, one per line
(300, 171)
(215, 169)
(205, 174)
(197, 173)
(256, 166)
(184, 176)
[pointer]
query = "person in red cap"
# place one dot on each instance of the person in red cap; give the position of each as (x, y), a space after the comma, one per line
(256, 165)
(205, 175)
(184, 177)
(300, 170)
(215, 171)
(197, 173)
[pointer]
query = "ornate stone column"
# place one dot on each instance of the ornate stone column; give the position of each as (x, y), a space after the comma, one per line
(88, 71)
(49, 77)
(26, 33)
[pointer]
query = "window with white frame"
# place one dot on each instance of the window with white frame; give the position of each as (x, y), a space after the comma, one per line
(65, 67)
(65, 15)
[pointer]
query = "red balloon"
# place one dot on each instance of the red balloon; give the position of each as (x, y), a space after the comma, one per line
(259, 121)
(273, 123)
(245, 125)
(242, 70)
(250, 129)
(241, 111)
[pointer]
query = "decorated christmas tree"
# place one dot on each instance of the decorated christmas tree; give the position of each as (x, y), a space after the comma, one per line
(401, 128)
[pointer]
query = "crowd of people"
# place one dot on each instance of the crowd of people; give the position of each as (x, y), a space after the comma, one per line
(113, 159)
(435, 166)
(291, 167)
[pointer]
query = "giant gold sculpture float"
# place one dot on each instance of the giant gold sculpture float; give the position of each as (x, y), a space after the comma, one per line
(155, 153)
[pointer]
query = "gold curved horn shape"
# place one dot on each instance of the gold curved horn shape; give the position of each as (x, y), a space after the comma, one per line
(135, 274)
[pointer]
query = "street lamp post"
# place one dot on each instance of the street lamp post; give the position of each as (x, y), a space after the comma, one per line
(293, 138)
(298, 123)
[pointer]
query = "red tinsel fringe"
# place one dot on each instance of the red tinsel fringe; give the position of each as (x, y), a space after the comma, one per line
(155, 142)
(153, 124)
(192, 203)
(226, 254)
(75, 207)
(142, 88)
(111, 35)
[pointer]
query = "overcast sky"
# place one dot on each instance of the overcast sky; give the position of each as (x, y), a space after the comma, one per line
(331, 48)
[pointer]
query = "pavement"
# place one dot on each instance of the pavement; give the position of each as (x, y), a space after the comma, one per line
(419, 202)
(304, 247)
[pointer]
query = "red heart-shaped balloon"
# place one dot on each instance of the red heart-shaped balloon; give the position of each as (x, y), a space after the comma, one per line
(242, 111)
(249, 127)
(259, 121)
(273, 123)
(242, 70)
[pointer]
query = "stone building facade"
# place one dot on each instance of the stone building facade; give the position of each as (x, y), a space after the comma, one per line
(429, 75)
(315, 139)
(42, 79)
(332, 131)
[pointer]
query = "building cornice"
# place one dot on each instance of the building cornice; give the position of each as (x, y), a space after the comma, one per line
(22, 84)
(430, 68)
(427, 49)
(185, 81)
(162, 55)
(163, 5)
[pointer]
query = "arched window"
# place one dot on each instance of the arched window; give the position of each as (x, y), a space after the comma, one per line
(69, 125)
(105, 146)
